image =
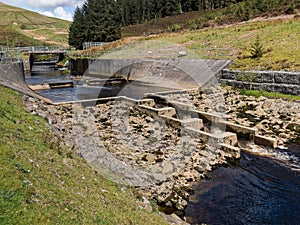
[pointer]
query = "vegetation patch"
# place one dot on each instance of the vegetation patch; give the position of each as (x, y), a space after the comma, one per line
(274, 40)
(257, 93)
(278, 41)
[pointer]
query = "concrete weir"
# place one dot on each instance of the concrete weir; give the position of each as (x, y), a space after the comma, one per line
(12, 76)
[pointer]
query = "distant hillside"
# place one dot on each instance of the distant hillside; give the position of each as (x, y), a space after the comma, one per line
(20, 27)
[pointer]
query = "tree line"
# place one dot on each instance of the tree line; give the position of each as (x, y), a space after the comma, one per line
(102, 20)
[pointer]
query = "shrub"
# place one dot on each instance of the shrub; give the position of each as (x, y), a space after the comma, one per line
(290, 9)
(175, 27)
(256, 50)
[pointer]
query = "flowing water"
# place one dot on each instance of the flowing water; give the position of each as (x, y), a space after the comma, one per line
(262, 188)
(81, 91)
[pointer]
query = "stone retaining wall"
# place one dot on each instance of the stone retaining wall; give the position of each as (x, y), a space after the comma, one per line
(273, 81)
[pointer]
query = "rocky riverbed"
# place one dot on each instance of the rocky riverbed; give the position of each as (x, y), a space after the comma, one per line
(272, 117)
(161, 161)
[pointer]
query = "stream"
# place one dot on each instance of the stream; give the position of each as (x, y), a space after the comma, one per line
(258, 189)
(262, 188)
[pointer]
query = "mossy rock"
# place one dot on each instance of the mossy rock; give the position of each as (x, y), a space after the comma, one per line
(294, 127)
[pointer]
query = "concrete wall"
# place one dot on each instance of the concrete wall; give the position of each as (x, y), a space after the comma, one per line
(12, 76)
(273, 81)
(165, 72)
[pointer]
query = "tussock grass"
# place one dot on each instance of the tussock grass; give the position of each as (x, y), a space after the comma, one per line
(43, 182)
(279, 37)
(257, 93)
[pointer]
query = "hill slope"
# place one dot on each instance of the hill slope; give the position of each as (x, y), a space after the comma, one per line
(238, 12)
(279, 37)
(43, 182)
(23, 27)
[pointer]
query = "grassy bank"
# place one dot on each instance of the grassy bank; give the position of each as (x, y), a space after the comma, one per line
(43, 182)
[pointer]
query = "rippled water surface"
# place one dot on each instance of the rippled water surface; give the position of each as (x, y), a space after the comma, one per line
(136, 91)
(83, 92)
(257, 190)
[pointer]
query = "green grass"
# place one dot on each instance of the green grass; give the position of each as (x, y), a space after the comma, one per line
(12, 36)
(43, 182)
(279, 38)
(257, 93)
(20, 27)
(234, 13)
(223, 28)
(10, 14)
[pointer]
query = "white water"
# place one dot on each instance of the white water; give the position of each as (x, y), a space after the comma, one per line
(281, 156)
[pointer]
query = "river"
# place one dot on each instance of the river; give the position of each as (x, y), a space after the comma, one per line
(262, 188)
(255, 190)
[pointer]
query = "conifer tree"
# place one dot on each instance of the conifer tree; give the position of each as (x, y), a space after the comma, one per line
(101, 20)
(171, 8)
(256, 49)
(77, 29)
(96, 21)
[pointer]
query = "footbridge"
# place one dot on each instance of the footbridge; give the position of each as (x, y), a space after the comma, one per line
(55, 53)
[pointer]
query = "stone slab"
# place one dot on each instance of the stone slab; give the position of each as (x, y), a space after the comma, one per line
(240, 130)
(266, 141)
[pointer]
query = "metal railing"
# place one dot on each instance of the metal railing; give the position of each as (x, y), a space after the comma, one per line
(87, 45)
(32, 49)
(9, 54)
